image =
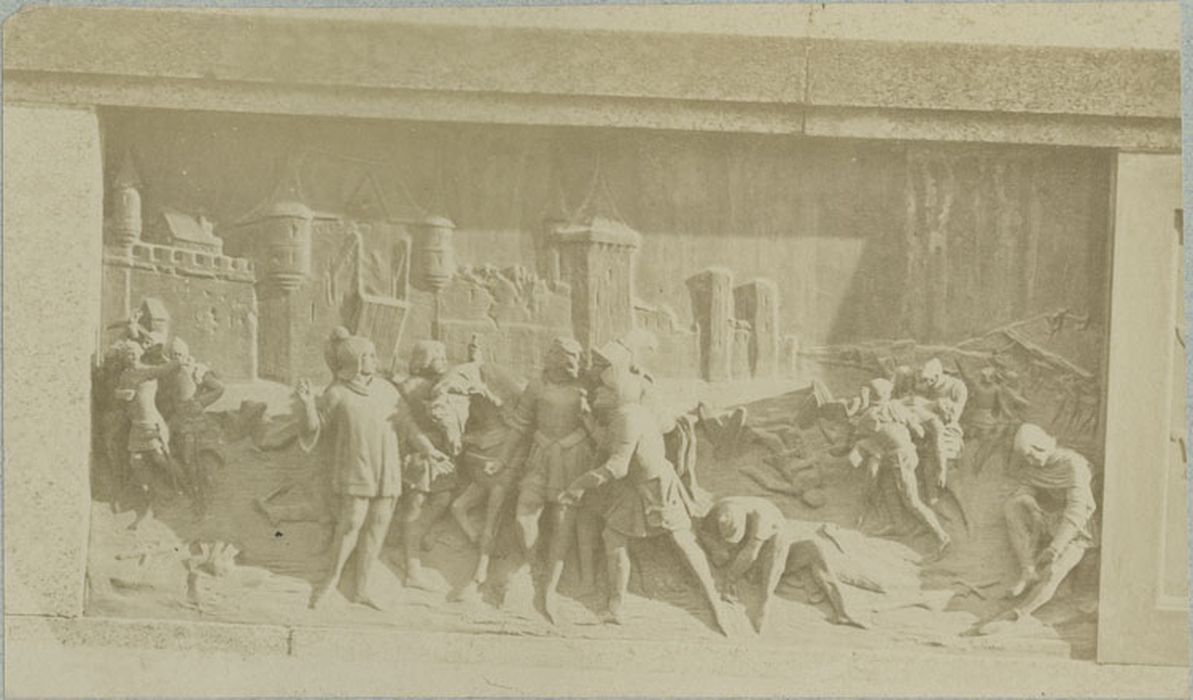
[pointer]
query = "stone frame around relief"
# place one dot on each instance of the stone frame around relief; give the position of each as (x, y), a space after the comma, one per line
(44, 466)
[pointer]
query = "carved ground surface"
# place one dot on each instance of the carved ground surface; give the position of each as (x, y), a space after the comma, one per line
(143, 573)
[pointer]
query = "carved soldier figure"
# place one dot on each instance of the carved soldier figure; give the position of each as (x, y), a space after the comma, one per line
(1048, 519)
(933, 384)
(353, 422)
(428, 466)
(484, 437)
(880, 410)
(148, 434)
(993, 407)
(946, 398)
(890, 442)
(651, 501)
(744, 530)
(183, 399)
(549, 416)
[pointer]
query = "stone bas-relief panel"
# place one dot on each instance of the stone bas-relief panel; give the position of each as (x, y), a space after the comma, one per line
(593, 384)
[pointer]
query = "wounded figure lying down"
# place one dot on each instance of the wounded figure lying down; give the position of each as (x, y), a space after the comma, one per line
(742, 532)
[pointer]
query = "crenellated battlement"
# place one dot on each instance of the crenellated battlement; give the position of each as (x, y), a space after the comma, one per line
(169, 259)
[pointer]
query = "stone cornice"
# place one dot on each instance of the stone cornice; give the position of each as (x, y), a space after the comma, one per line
(1119, 98)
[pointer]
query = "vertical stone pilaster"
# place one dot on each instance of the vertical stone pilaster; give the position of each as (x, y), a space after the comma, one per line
(53, 233)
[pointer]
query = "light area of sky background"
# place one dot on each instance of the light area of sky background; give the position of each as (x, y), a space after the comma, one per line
(1144, 25)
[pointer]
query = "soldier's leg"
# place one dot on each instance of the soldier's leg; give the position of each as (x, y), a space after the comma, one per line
(532, 499)
(351, 518)
(168, 468)
(887, 501)
(380, 513)
(774, 563)
(140, 481)
(563, 519)
(436, 507)
(1025, 522)
(698, 563)
(588, 538)
(617, 553)
(411, 514)
(1043, 591)
(493, 507)
(473, 495)
(908, 488)
(808, 556)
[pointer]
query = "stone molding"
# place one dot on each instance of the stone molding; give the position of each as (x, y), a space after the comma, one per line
(390, 69)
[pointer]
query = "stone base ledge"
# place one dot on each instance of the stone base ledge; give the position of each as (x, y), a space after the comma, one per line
(199, 658)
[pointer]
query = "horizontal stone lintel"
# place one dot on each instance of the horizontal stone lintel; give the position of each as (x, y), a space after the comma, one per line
(1140, 134)
(223, 47)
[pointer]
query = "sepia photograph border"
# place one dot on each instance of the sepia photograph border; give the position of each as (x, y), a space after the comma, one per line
(51, 287)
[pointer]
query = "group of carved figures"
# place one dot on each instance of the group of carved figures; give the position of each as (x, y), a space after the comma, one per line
(583, 448)
(590, 449)
(155, 432)
(907, 431)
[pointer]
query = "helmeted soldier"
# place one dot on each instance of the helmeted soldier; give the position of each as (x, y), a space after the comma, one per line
(353, 422)
(547, 425)
(650, 500)
(942, 401)
(148, 441)
(183, 398)
(1049, 520)
(428, 465)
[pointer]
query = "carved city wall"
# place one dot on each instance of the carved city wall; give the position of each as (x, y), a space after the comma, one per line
(847, 230)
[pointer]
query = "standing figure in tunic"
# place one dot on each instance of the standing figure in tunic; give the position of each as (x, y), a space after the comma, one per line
(428, 466)
(650, 500)
(466, 388)
(148, 434)
(548, 426)
(184, 398)
(353, 422)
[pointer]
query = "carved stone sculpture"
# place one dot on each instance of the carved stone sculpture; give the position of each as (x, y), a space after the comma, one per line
(184, 397)
(352, 420)
(649, 500)
(547, 427)
(1054, 504)
(744, 531)
(428, 461)
(148, 441)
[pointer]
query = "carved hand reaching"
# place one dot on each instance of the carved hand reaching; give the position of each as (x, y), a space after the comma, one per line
(570, 497)
(303, 391)
(729, 593)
